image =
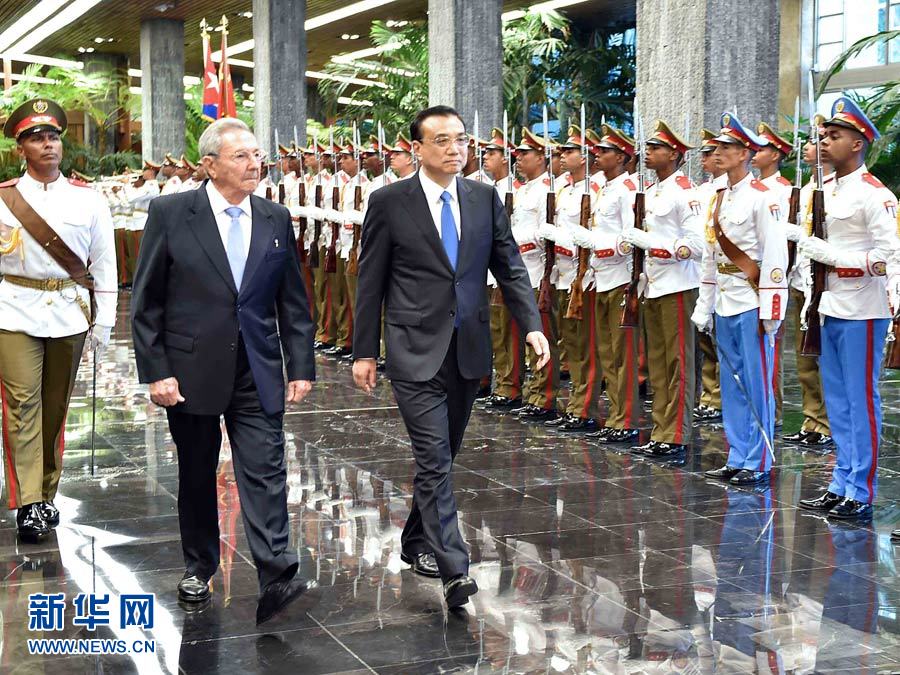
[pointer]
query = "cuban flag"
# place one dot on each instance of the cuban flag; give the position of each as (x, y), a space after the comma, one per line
(227, 106)
(210, 83)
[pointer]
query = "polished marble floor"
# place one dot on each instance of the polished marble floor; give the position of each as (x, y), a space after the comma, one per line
(589, 560)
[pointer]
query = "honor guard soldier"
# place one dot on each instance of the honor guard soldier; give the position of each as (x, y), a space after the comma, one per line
(286, 164)
(190, 182)
(266, 187)
(120, 209)
(744, 288)
(140, 194)
(815, 432)
(710, 406)
(673, 241)
(402, 163)
(610, 274)
(861, 226)
(577, 336)
(172, 182)
(57, 254)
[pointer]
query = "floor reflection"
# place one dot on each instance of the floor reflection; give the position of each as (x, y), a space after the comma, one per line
(589, 560)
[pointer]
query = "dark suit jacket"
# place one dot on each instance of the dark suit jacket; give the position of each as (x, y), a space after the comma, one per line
(403, 264)
(186, 311)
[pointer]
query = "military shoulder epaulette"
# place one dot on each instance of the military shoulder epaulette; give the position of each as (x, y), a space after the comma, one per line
(10, 183)
(872, 180)
(684, 182)
(629, 184)
(517, 183)
(783, 181)
(546, 181)
(78, 183)
(595, 186)
(758, 185)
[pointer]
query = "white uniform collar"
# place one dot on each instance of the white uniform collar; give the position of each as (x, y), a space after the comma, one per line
(29, 183)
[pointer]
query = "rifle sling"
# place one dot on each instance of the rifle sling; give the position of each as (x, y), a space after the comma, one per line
(729, 248)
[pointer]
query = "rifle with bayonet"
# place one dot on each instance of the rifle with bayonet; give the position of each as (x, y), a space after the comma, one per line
(331, 251)
(545, 294)
(794, 215)
(631, 305)
(353, 262)
(301, 200)
(477, 146)
(507, 155)
(317, 202)
(576, 297)
(812, 336)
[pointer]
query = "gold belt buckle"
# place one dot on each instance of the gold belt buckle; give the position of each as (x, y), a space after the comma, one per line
(52, 284)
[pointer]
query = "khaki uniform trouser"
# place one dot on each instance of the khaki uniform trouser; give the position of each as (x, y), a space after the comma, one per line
(815, 417)
(132, 250)
(509, 344)
(710, 394)
(351, 280)
(579, 339)
(541, 388)
(618, 351)
(670, 361)
(121, 238)
(325, 324)
(340, 301)
(562, 303)
(36, 380)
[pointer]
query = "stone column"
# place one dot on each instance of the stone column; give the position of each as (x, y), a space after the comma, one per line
(279, 73)
(796, 58)
(116, 65)
(698, 58)
(465, 60)
(162, 88)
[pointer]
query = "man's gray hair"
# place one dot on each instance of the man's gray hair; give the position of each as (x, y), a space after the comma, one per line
(211, 139)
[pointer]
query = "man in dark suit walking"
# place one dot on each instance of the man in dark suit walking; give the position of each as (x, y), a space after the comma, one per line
(427, 245)
(218, 294)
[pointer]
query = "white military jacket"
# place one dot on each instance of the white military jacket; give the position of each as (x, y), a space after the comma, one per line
(171, 186)
(568, 217)
(348, 215)
(140, 198)
(861, 222)
(529, 214)
(611, 261)
(749, 217)
(81, 218)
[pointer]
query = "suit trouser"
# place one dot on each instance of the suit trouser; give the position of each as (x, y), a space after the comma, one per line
(815, 417)
(436, 413)
(36, 380)
(579, 338)
(742, 347)
(325, 324)
(850, 365)
(257, 452)
(710, 393)
(670, 362)
(617, 348)
(540, 390)
(509, 360)
(340, 301)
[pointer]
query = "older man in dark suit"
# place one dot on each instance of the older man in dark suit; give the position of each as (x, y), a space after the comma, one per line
(218, 295)
(427, 245)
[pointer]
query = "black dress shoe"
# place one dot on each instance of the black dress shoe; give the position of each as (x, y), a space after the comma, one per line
(850, 509)
(30, 524)
(623, 436)
(193, 588)
(664, 449)
(379, 365)
(502, 403)
(643, 449)
(50, 513)
(824, 502)
(601, 434)
(564, 375)
(322, 345)
(538, 415)
(706, 413)
(482, 399)
(815, 440)
(748, 477)
(795, 438)
(559, 421)
(722, 473)
(280, 594)
(422, 564)
(522, 409)
(458, 590)
(578, 425)
(895, 535)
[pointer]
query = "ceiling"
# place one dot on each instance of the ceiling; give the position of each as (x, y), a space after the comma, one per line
(120, 20)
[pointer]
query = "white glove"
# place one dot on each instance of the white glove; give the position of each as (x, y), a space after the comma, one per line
(771, 327)
(702, 319)
(638, 237)
(819, 250)
(794, 232)
(99, 338)
(582, 238)
(333, 215)
(355, 217)
(315, 213)
(548, 232)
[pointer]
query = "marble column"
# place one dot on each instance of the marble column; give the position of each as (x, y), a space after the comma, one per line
(279, 73)
(465, 60)
(106, 140)
(162, 88)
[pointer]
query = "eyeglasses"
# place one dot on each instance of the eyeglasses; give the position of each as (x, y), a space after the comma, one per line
(244, 156)
(445, 141)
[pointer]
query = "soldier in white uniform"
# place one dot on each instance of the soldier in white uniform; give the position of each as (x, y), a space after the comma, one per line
(172, 182)
(861, 224)
(744, 286)
(145, 190)
(45, 313)
(673, 242)
(402, 162)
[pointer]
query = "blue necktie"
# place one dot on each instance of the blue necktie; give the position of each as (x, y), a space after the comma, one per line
(449, 235)
(237, 257)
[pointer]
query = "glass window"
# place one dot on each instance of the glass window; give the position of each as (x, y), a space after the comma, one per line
(840, 24)
(894, 45)
(827, 7)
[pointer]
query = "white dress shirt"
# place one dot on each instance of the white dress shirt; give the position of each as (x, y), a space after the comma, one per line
(433, 193)
(223, 220)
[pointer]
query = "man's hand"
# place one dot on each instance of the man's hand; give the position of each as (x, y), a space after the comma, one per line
(364, 373)
(540, 346)
(99, 338)
(297, 390)
(702, 319)
(638, 237)
(165, 392)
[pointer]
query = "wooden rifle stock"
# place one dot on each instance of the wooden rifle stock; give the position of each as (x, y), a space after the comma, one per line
(353, 262)
(545, 294)
(793, 219)
(576, 297)
(317, 230)
(269, 193)
(301, 237)
(812, 338)
(893, 360)
(331, 251)
(508, 204)
(631, 311)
